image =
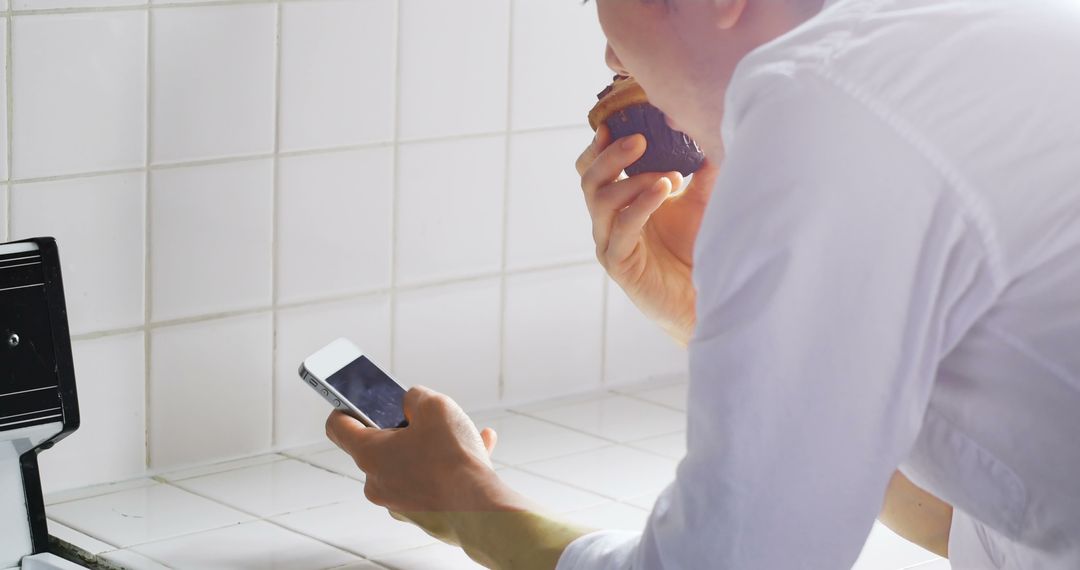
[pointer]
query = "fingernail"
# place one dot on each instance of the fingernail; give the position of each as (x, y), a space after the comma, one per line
(629, 143)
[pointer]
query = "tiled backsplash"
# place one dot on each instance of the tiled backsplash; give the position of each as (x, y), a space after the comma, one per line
(233, 184)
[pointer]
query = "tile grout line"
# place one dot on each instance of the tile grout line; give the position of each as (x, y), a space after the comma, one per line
(148, 236)
(301, 459)
(323, 300)
(605, 298)
(167, 5)
(395, 197)
(589, 397)
(80, 176)
(9, 60)
(523, 467)
(160, 480)
(257, 518)
(655, 403)
(501, 388)
(164, 5)
(286, 154)
(275, 222)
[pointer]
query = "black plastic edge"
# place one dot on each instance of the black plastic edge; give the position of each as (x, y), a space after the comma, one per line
(69, 399)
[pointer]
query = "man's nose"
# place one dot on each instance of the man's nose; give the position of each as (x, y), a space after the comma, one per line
(613, 62)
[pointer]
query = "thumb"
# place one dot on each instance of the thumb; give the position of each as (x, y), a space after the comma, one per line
(353, 437)
(490, 439)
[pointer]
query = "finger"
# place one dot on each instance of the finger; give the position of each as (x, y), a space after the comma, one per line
(490, 439)
(626, 230)
(613, 199)
(600, 141)
(353, 437)
(611, 162)
(410, 404)
(615, 196)
(339, 425)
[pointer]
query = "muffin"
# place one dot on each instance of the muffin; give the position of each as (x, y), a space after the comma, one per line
(626, 110)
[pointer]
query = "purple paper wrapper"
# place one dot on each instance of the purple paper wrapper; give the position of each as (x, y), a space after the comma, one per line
(668, 150)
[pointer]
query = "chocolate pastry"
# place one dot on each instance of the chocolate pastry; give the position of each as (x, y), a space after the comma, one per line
(626, 110)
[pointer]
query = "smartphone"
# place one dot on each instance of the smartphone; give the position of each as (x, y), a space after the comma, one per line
(352, 383)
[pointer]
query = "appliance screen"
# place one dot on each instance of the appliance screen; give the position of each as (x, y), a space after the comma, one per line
(371, 391)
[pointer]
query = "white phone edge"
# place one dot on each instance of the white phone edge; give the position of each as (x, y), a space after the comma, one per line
(319, 366)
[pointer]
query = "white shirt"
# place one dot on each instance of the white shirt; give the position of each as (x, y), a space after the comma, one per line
(888, 276)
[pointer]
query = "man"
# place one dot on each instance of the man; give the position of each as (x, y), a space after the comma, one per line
(887, 277)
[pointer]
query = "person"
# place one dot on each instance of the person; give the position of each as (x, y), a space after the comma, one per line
(880, 292)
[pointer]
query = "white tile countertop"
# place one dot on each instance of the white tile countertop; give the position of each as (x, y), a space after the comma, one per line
(599, 459)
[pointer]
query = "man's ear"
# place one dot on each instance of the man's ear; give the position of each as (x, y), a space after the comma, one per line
(728, 13)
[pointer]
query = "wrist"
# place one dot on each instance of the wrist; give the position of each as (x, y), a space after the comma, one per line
(505, 530)
(681, 328)
(681, 331)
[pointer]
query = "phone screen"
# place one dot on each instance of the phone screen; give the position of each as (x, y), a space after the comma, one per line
(371, 391)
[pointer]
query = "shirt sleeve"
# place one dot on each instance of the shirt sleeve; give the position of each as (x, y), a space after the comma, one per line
(834, 268)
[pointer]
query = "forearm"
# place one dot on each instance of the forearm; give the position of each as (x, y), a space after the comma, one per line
(680, 332)
(682, 329)
(917, 515)
(514, 540)
(502, 529)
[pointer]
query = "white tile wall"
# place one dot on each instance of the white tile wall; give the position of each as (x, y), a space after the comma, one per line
(3, 211)
(235, 183)
(53, 4)
(144, 514)
(554, 333)
(210, 390)
(431, 557)
(110, 445)
(213, 81)
(555, 76)
(439, 97)
(200, 518)
(523, 439)
(616, 516)
(274, 488)
(547, 221)
(618, 418)
(447, 338)
(80, 80)
(251, 545)
(450, 213)
(300, 413)
(555, 497)
(133, 560)
(334, 231)
(103, 270)
(210, 239)
(3, 96)
(614, 472)
(637, 349)
(337, 81)
(337, 524)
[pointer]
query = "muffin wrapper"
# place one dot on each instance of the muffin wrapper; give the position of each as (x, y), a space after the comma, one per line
(668, 150)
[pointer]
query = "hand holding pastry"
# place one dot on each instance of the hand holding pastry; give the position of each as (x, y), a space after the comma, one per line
(645, 236)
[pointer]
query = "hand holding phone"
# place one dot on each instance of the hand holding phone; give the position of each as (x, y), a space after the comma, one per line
(352, 383)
